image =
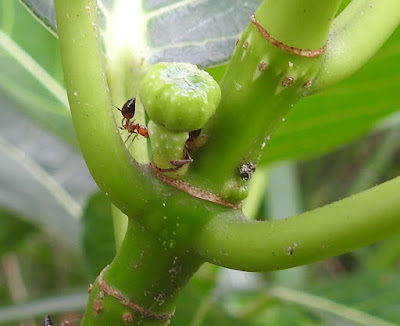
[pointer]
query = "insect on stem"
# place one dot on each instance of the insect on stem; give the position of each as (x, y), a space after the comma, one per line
(128, 112)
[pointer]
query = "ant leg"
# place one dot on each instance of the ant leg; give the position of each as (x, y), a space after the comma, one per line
(129, 136)
(134, 137)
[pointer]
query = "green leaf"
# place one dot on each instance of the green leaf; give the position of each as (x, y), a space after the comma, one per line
(43, 48)
(195, 309)
(205, 34)
(199, 32)
(44, 12)
(375, 292)
(98, 234)
(281, 314)
(28, 78)
(13, 231)
(262, 309)
(285, 306)
(323, 122)
(30, 189)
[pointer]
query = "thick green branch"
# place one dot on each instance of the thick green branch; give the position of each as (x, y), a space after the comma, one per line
(302, 24)
(266, 76)
(141, 285)
(334, 229)
(101, 145)
(356, 34)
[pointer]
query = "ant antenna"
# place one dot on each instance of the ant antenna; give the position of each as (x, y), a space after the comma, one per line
(120, 110)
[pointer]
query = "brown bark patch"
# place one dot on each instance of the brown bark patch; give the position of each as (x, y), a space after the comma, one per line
(262, 66)
(191, 190)
(291, 49)
(97, 306)
(127, 302)
(288, 81)
(128, 318)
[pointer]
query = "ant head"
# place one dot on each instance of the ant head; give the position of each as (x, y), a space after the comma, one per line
(128, 110)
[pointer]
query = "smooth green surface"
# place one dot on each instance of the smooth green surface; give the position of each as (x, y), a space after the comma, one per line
(356, 34)
(254, 102)
(149, 272)
(167, 146)
(179, 96)
(302, 24)
(331, 230)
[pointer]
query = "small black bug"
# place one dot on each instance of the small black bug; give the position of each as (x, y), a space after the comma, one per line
(47, 321)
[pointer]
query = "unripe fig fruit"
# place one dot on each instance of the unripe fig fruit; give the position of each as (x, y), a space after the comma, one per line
(179, 96)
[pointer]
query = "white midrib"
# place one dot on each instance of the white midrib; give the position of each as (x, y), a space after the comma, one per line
(126, 29)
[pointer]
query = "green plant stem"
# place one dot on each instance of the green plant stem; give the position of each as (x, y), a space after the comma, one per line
(334, 229)
(283, 200)
(255, 100)
(102, 147)
(356, 34)
(131, 187)
(149, 272)
(303, 24)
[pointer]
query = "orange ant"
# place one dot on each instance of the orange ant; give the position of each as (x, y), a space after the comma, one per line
(128, 112)
(135, 128)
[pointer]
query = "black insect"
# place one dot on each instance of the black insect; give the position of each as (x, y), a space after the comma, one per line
(47, 321)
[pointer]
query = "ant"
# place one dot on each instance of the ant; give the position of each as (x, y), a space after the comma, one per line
(128, 112)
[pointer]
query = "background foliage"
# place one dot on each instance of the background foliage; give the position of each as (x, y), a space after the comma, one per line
(331, 145)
